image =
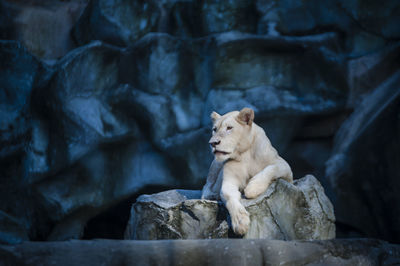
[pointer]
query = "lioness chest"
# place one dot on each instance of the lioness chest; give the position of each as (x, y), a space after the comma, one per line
(244, 169)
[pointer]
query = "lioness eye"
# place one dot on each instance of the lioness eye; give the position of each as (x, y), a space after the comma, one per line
(229, 128)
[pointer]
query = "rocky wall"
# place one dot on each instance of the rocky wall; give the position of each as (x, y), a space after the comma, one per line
(101, 101)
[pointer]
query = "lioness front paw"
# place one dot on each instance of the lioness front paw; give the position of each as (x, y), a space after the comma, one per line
(240, 221)
(253, 190)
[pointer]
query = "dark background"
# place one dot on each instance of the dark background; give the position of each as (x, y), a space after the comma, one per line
(101, 101)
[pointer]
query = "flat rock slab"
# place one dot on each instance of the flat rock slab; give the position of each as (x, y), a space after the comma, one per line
(298, 211)
(202, 252)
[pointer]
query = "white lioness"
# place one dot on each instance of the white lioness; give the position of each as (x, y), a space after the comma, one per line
(244, 161)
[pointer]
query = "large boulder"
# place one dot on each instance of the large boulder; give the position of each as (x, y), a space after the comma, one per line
(364, 167)
(349, 252)
(285, 211)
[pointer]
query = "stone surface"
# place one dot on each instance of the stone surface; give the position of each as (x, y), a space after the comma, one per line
(286, 211)
(118, 22)
(19, 73)
(203, 252)
(43, 27)
(364, 169)
(368, 72)
(123, 22)
(74, 107)
(365, 30)
(112, 123)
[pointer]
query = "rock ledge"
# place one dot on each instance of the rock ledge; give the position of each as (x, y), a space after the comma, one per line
(298, 211)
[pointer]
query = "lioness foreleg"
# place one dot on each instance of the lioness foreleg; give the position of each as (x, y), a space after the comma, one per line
(239, 216)
(260, 182)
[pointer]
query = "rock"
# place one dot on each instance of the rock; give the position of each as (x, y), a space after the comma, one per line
(19, 74)
(286, 211)
(117, 22)
(363, 169)
(193, 162)
(122, 22)
(43, 27)
(368, 72)
(74, 104)
(382, 22)
(169, 92)
(290, 75)
(217, 17)
(281, 59)
(12, 231)
(365, 31)
(203, 252)
(99, 180)
(87, 152)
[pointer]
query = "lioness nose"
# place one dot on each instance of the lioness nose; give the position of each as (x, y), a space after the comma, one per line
(215, 143)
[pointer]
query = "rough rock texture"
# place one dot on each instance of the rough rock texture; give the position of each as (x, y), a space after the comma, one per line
(205, 252)
(367, 25)
(20, 73)
(285, 211)
(43, 27)
(83, 135)
(364, 168)
(122, 22)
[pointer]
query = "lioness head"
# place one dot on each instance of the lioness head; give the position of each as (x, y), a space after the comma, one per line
(231, 134)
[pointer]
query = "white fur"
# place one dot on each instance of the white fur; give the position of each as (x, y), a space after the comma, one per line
(247, 163)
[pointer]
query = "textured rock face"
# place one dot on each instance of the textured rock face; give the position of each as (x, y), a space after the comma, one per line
(205, 252)
(20, 73)
(364, 166)
(43, 27)
(103, 124)
(286, 211)
(365, 30)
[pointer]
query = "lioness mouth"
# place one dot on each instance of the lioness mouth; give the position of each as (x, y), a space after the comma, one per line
(221, 152)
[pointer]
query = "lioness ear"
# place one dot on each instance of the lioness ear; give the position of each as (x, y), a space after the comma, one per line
(246, 116)
(214, 116)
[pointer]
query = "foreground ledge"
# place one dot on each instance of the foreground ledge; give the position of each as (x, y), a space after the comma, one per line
(286, 211)
(202, 252)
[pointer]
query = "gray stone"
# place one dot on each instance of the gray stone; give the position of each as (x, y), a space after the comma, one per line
(364, 170)
(12, 230)
(203, 252)
(282, 62)
(217, 17)
(43, 27)
(122, 22)
(365, 31)
(100, 179)
(368, 72)
(74, 104)
(193, 161)
(118, 22)
(285, 211)
(19, 74)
